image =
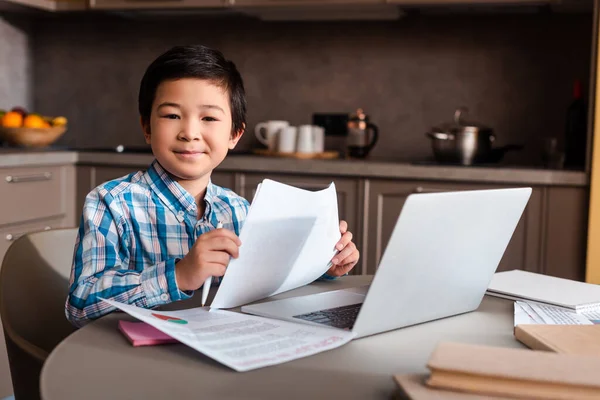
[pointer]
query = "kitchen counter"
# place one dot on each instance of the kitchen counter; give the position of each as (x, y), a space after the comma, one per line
(384, 169)
(21, 158)
(366, 169)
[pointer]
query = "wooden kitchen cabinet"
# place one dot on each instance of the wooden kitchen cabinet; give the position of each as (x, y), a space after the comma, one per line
(385, 199)
(155, 4)
(549, 238)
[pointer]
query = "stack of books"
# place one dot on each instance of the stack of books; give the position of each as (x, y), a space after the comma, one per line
(465, 371)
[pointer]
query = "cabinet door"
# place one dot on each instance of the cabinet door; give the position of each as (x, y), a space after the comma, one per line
(347, 194)
(565, 233)
(385, 199)
(224, 179)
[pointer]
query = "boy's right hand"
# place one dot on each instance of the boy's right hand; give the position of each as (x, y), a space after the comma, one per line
(209, 256)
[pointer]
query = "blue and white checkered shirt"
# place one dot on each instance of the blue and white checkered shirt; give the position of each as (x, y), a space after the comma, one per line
(132, 231)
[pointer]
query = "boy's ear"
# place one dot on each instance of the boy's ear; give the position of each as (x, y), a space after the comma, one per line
(236, 136)
(146, 130)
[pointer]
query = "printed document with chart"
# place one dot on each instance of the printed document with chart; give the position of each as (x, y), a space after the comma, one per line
(288, 239)
(241, 342)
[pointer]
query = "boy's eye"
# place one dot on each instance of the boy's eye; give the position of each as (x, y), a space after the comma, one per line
(171, 116)
(209, 119)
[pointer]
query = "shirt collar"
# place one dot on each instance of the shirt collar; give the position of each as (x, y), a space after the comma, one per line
(174, 195)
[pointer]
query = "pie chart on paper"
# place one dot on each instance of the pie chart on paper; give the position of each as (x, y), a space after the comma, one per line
(167, 318)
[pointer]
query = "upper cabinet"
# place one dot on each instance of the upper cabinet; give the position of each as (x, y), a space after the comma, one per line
(243, 6)
(282, 10)
(156, 4)
(300, 2)
(45, 5)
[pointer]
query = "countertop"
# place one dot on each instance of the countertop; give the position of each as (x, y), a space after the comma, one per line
(372, 168)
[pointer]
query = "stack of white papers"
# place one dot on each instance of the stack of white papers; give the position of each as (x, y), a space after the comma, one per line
(539, 313)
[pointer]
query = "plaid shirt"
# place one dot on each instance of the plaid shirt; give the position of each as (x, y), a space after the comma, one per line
(133, 230)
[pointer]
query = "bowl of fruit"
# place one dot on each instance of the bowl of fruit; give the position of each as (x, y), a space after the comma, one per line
(21, 128)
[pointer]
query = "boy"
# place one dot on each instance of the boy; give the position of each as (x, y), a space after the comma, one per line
(149, 238)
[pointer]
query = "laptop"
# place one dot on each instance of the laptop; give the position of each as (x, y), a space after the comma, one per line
(443, 252)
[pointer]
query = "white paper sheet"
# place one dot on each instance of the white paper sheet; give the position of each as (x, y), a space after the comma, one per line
(536, 313)
(288, 239)
(239, 341)
(559, 316)
(593, 316)
(521, 316)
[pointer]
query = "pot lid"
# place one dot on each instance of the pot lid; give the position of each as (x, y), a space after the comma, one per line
(461, 125)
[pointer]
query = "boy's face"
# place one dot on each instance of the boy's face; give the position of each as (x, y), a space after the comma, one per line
(190, 128)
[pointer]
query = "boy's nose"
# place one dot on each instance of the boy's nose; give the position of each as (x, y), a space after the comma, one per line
(190, 132)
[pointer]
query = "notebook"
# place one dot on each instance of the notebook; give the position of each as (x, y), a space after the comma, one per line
(510, 372)
(529, 286)
(142, 334)
(570, 339)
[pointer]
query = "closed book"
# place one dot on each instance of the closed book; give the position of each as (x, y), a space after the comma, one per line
(413, 386)
(529, 286)
(569, 339)
(509, 372)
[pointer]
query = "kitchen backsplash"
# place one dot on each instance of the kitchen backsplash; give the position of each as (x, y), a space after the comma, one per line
(514, 72)
(15, 63)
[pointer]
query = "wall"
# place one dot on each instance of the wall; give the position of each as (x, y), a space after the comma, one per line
(514, 72)
(15, 63)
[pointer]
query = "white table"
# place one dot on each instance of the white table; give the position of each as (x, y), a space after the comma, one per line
(97, 362)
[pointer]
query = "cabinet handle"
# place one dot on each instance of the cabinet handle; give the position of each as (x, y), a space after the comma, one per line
(10, 237)
(421, 189)
(46, 176)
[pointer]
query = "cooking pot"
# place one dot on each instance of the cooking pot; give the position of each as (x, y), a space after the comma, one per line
(465, 143)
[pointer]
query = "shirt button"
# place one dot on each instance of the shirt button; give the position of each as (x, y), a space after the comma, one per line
(164, 297)
(181, 213)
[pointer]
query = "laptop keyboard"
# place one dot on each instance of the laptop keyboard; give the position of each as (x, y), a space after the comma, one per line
(338, 317)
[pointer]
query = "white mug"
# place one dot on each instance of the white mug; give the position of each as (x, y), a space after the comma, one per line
(319, 139)
(305, 139)
(287, 139)
(266, 132)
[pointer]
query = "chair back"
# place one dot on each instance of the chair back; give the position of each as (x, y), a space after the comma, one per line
(34, 284)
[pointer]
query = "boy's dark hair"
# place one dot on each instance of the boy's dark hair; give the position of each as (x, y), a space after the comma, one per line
(195, 61)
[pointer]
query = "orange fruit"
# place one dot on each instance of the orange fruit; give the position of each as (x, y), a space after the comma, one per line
(12, 119)
(34, 121)
(59, 121)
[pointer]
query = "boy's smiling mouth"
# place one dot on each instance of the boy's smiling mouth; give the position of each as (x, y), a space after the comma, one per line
(189, 153)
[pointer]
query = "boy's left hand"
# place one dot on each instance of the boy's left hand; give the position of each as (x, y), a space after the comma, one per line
(348, 254)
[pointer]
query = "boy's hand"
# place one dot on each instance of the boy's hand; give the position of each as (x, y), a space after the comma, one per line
(209, 256)
(348, 254)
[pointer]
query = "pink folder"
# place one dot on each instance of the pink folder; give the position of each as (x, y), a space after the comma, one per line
(142, 334)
